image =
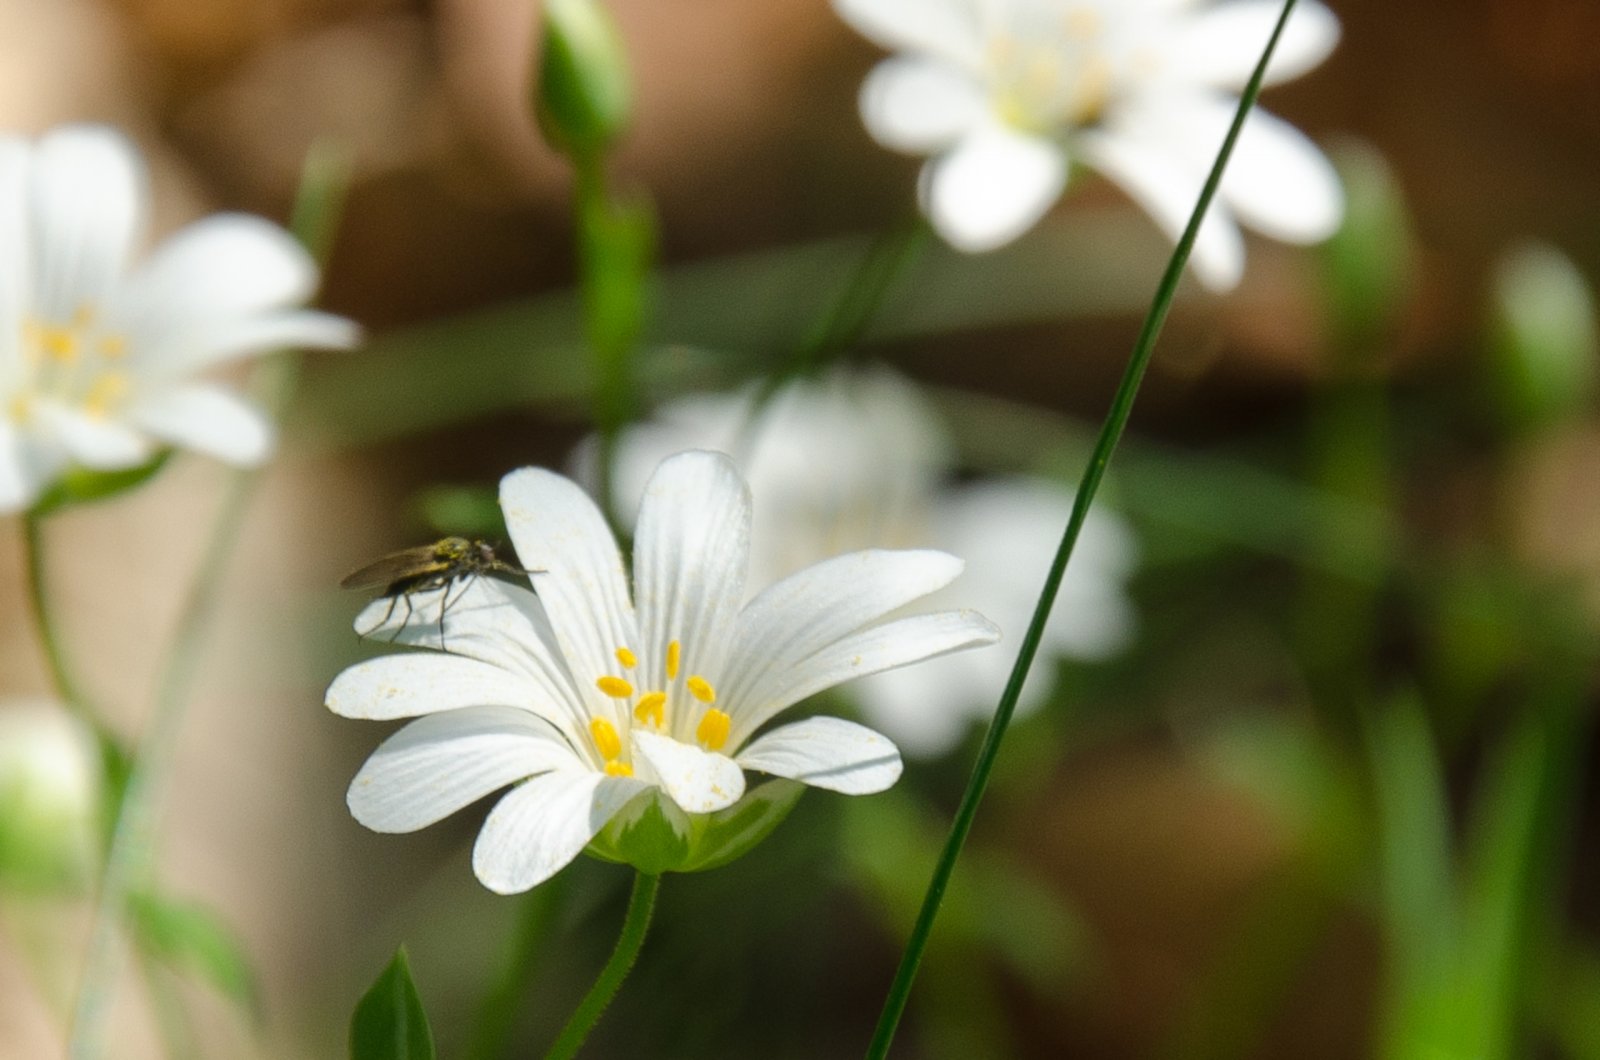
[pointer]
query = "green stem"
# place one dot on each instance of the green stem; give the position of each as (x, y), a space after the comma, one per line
(127, 860)
(45, 622)
(1106, 443)
(641, 903)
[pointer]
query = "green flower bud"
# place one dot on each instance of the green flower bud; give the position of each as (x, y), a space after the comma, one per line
(49, 797)
(1543, 340)
(582, 95)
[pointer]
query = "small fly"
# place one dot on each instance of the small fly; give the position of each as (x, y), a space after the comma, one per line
(437, 566)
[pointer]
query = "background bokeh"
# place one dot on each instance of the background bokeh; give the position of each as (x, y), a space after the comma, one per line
(1344, 528)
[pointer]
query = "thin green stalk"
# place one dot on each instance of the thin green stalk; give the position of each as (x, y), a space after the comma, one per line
(127, 860)
(641, 904)
(44, 620)
(1105, 445)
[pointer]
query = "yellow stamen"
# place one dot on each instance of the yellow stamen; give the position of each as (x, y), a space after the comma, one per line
(606, 740)
(60, 343)
(712, 731)
(618, 769)
(674, 659)
(113, 346)
(107, 389)
(627, 658)
(651, 709)
(615, 687)
(700, 689)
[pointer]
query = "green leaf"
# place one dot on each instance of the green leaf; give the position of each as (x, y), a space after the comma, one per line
(1367, 265)
(192, 939)
(389, 1022)
(80, 485)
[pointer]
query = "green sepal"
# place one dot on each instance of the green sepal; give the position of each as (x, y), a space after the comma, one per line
(582, 94)
(81, 484)
(191, 938)
(389, 1022)
(654, 835)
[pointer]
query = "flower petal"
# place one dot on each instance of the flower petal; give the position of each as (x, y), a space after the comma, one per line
(992, 187)
(543, 823)
(557, 529)
(183, 347)
(870, 651)
(93, 441)
(812, 608)
(27, 465)
(1167, 186)
(918, 104)
(827, 753)
(690, 552)
(207, 418)
(1220, 46)
(945, 28)
(1277, 182)
(405, 686)
(698, 781)
(88, 200)
(438, 764)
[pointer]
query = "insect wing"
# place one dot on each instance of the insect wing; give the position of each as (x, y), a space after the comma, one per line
(396, 567)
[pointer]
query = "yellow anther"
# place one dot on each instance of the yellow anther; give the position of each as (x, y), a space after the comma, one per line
(712, 732)
(651, 709)
(615, 687)
(674, 659)
(627, 658)
(60, 343)
(700, 689)
(107, 389)
(618, 769)
(113, 346)
(606, 740)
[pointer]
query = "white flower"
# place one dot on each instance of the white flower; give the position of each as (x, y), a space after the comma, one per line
(49, 793)
(584, 698)
(99, 356)
(856, 460)
(1006, 94)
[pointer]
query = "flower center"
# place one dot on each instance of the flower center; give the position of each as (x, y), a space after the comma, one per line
(657, 708)
(1050, 69)
(75, 363)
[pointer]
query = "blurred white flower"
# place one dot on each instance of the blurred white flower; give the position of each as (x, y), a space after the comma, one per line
(49, 794)
(99, 356)
(584, 698)
(858, 460)
(1006, 94)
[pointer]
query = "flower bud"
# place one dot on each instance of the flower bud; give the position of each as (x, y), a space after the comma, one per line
(1543, 341)
(582, 94)
(49, 796)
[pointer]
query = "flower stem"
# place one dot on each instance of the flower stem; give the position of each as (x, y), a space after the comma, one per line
(1105, 444)
(45, 621)
(127, 860)
(641, 904)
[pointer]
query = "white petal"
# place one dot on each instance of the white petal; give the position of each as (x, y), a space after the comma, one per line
(93, 441)
(88, 201)
(827, 753)
(178, 348)
(1277, 182)
(404, 686)
(557, 529)
(207, 418)
(992, 187)
(14, 249)
(483, 618)
(438, 764)
(698, 781)
(228, 264)
(812, 608)
(690, 553)
(919, 104)
(1167, 185)
(543, 823)
(1221, 45)
(882, 647)
(945, 28)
